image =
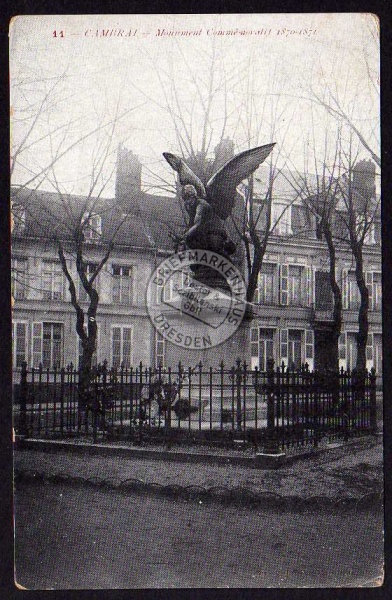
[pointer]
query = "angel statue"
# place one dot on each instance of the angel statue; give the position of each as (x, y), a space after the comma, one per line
(209, 206)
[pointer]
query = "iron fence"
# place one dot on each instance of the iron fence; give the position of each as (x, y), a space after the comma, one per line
(271, 410)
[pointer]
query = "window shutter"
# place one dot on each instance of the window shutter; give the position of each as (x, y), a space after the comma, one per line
(309, 342)
(314, 286)
(284, 334)
(37, 344)
(116, 346)
(254, 347)
(254, 341)
(127, 346)
(369, 285)
(308, 288)
(284, 276)
(345, 288)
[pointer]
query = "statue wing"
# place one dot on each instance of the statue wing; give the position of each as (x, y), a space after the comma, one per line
(186, 175)
(221, 188)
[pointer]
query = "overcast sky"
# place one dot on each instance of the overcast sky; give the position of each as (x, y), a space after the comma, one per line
(259, 70)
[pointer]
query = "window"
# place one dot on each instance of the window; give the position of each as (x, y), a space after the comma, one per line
(179, 280)
(90, 270)
(309, 345)
(52, 281)
(19, 343)
(48, 345)
(18, 219)
(266, 285)
(122, 284)
(295, 285)
(262, 347)
(373, 283)
(160, 350)
(294, 349)
(121, 346)
(168, 290)
(92, 227)
(284, 339)
(18, 278)
(281, 219)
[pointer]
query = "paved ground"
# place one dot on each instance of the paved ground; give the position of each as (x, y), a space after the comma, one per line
(84, 537)
(351, 471)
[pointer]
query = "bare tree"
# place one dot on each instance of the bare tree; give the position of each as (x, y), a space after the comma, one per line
(341, 194)
(355, 104)
(357, 211)
(318, 189)
(70, 221)
(262, 116)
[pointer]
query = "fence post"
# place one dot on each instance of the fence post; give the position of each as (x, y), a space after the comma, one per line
(238, 394)
(271, 446)
(23, 400)
(373, 402)
(103, 394)
(62, 377)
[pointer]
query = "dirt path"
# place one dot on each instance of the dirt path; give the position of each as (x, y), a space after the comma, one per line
(353, 470)
(80, 537)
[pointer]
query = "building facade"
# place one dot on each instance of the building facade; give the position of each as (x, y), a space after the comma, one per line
(294, 296)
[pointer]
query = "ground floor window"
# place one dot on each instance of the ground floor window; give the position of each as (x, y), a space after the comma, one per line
(294, 349)
(121, 344)
(348, 351)
(262, 347)
(48, 339)
(297, 348)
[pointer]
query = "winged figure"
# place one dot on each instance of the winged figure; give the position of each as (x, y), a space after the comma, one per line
(209, 206)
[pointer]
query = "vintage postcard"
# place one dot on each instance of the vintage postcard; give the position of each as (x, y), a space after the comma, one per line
(197, 291)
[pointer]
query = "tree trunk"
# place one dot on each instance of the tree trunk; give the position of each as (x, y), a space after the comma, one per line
(337, 296)
(259, 251)
(363, 317)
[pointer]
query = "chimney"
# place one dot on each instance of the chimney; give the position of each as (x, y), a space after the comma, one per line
(224, 151)
(364, 182)
(128, 176)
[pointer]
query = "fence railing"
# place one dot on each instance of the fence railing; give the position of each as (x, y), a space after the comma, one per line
(271, 410)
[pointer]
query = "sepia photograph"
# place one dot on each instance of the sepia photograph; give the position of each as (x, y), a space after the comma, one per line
(197, 342)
